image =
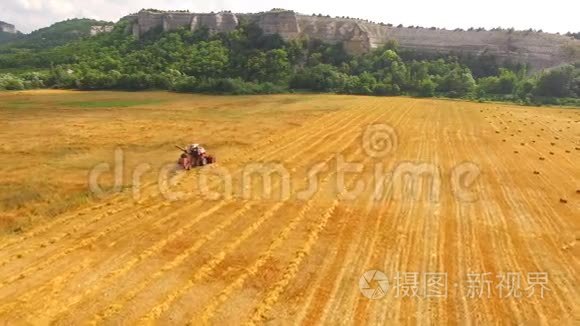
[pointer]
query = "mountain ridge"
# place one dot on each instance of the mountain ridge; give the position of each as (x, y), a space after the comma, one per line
(54, 35)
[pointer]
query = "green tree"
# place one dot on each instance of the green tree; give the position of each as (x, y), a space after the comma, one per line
(508, 81)
(206, 59)
(427, 88)
(322, 77)
(557, 82)
(271, 66)
(457, 83)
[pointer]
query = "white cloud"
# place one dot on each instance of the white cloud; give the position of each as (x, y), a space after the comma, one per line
(553, 16)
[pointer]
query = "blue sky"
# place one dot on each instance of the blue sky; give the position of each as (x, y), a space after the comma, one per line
(551, 16)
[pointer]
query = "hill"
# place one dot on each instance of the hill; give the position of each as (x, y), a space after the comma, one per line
(55, 35)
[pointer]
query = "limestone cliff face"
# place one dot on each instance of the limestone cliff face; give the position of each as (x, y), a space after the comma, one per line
(144, 21)
(356, 39)
(284, 23)
(540, 50)
(220, 22)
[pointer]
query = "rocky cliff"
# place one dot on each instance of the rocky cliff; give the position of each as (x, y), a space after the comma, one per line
(540, 50)
(145, 21)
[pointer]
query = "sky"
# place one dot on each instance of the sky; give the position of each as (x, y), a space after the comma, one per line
(550, 16)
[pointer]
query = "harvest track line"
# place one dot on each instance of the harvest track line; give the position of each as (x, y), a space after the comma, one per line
(170, 216)
(46, 226)
(273, 295)
(353, 251)
(173, 264)
(515, 243)
(298, 261)
(210, 309)
(318, 311)
(154, 206)
(159, 309)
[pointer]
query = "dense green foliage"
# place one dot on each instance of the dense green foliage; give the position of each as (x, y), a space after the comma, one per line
(8, 37)
(247, 62)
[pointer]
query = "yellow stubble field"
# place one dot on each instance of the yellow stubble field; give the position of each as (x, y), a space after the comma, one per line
(321, 209)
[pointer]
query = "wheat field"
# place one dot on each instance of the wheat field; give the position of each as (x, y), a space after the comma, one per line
(379, 210)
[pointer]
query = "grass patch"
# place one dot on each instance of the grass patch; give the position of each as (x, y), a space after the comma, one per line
(21, 104)
(15, 196)
(110, 103)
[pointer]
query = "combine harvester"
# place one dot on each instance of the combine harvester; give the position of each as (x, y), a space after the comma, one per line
(194, 156)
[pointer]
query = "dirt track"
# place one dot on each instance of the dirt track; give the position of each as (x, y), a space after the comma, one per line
(294, 260)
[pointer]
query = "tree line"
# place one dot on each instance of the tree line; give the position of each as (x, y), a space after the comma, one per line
(245, 61)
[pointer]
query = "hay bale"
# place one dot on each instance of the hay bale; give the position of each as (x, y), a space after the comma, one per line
(563, 201)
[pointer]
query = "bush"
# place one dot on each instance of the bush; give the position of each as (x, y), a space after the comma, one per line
(387, 89)
(11, 82)
(457, 83)
(135, 82)
(34, 80)
(94, 79)
(322, 77)
(185, 84)
(61, 78)
(427, 88)
(234, 86)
